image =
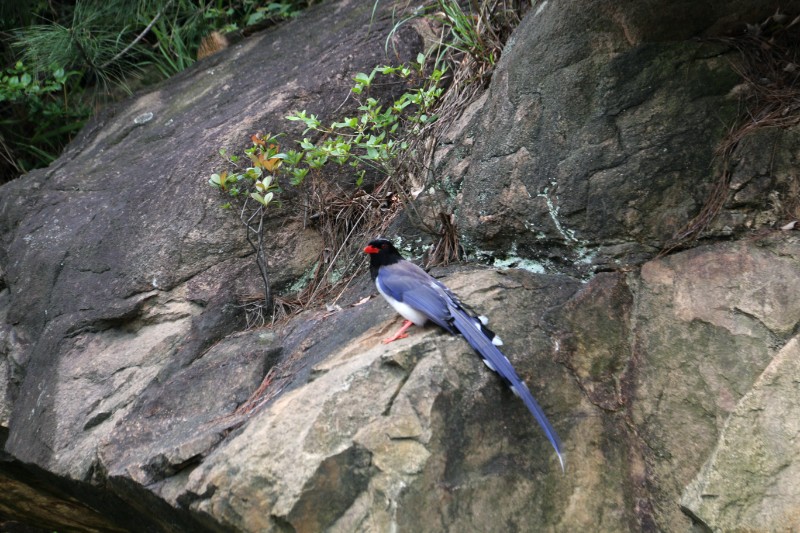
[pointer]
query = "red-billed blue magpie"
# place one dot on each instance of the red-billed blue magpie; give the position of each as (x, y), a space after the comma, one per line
(419, 297)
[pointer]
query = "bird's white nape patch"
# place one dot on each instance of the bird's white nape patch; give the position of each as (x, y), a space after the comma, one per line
(497, 341)
(490, 365)
(484, 320)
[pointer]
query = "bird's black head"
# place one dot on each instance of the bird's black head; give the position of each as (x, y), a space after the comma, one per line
(381, 253)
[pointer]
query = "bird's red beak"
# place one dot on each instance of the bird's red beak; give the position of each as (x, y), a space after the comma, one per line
(371, 249)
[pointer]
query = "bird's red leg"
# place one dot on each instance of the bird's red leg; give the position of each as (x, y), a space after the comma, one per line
(401, 333)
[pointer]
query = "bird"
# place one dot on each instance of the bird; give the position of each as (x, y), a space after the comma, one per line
(419, 297)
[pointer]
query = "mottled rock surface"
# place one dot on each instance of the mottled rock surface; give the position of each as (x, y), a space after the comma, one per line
(430, 421)
(127, 380)
(709, 322)
(118, 259)
(750, 481)
(591, 150)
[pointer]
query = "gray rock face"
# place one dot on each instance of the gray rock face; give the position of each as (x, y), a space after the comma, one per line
(431, 421)
(751, 479)
(723, 313)
(127, 384)
(594, 148)
(118, 259)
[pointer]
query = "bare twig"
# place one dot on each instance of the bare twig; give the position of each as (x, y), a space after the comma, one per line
(258, 244)
(138, 38)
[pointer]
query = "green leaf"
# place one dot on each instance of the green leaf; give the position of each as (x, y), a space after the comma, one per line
(348, 122)
(312, 122)
(263, 200)
(298, 175)
(253, 173)
(256, 17)
(293, 157)
(318, 161)
(363, 79)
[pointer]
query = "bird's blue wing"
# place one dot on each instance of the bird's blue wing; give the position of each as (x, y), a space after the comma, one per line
(498, 362)
(407, 283)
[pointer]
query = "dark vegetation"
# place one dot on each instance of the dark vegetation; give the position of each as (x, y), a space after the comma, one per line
(64, 59)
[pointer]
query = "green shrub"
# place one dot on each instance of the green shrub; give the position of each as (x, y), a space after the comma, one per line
(97, 47)
(39, 117)
(372, 139)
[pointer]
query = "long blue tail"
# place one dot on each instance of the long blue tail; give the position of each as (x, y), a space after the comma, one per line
(470, 328)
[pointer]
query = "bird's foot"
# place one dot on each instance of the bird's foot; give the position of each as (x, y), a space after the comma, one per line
(394, 337)
(401, 333)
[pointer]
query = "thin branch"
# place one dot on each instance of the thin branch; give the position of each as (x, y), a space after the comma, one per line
(138, 37)
(257, 246)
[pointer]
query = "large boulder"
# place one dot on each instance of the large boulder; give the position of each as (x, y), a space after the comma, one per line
(751, 479)
(708, 323)
(131, 388)
(384, 436)
(598, 140)
(118, 259)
